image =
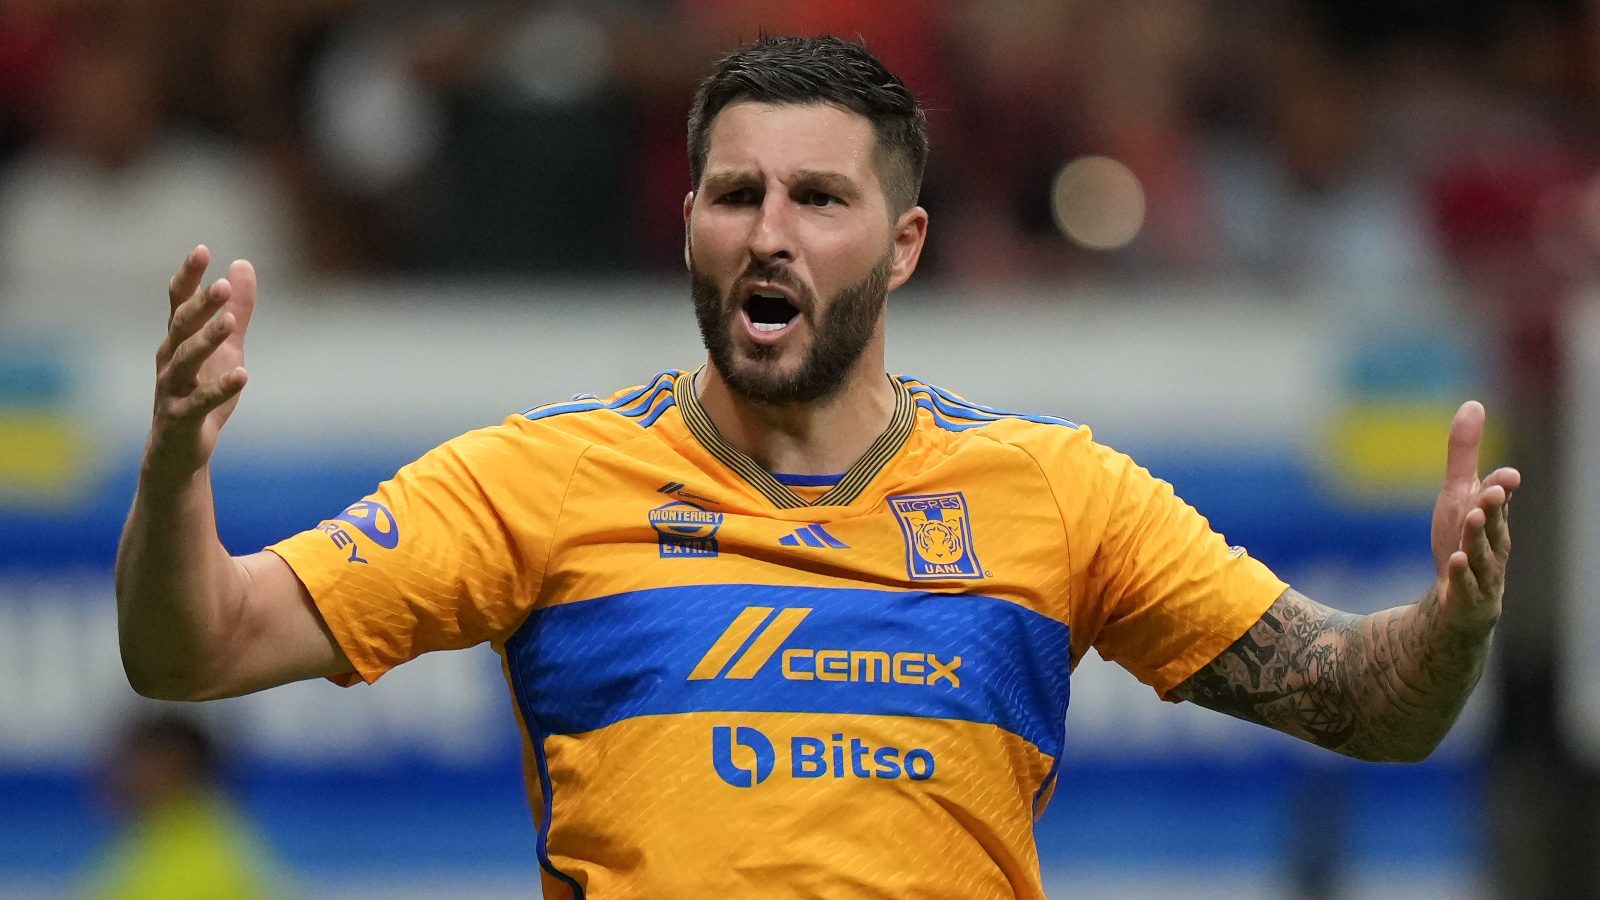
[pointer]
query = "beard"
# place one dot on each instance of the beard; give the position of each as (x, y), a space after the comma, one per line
(837, 341)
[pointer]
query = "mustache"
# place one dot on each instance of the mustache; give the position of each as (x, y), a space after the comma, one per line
(771, 273)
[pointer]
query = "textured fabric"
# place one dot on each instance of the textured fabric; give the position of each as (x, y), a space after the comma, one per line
(729, 684)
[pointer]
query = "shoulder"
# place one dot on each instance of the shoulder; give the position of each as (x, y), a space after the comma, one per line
(590, 418)
(1066, 452)
(551, 438)
(953, 414)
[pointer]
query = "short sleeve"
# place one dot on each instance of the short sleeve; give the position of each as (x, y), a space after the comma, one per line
(447, 554)
(1164, 594)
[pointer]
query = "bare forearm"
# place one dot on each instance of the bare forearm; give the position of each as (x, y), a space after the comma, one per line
(1386, 686)
(194, 622)
(178, 589)
(1410, 677)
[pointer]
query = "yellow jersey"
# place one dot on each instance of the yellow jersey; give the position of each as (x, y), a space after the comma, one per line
(734, 683)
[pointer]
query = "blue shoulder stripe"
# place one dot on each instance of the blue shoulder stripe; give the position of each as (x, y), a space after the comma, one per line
(949, 408)
(955, 414)
(583, 402)
(660, 408)
(1030, 417)
(642, 399)
(645, 403)
(556, 409)
(940, 420)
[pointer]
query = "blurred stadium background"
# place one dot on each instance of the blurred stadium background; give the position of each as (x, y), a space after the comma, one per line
(1265, 246)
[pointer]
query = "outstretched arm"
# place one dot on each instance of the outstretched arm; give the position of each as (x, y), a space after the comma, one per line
(1385, 686)
(193, 621)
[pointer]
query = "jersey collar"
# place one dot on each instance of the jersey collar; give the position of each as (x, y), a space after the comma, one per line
(849, 487)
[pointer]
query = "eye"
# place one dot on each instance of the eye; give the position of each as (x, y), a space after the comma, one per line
(819, 200)
(737, 197)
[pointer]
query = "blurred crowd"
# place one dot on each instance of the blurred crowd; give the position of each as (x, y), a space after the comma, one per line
(1375, 145)
(1369, 150)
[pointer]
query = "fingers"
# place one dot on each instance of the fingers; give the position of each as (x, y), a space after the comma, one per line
(242, 278)
(183, 371)
(1466, 433)
(1498, 529)
(1506, 477)
(186, 280)
(1489, 515)
(190, 315)
(209, 397)
(236, 293)
(1476, 570)
(200, 322)
(1463, 586)
(180, 418)
(1472, 534)
(1481, 558)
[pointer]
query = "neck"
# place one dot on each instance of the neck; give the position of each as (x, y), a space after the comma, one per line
(821, 438)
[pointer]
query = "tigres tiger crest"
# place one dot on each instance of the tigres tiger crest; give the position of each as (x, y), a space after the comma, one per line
(938, 534)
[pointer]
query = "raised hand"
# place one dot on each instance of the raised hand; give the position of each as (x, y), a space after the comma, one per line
(199, 365)
(1388, 685)
(1471, 530)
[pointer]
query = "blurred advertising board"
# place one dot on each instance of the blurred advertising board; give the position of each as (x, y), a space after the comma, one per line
(1272, 419)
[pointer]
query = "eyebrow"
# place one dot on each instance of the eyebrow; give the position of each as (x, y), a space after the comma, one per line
(827, 182)
(727, 179)
(813, 179)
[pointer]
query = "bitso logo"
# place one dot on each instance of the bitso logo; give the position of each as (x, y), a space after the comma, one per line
(814, 757)
(372, 519)
(938, 533)
(759, 633)
(722, 740)
(683, 529)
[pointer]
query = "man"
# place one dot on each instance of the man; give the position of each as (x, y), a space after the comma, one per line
(784, 624)
(180, 836)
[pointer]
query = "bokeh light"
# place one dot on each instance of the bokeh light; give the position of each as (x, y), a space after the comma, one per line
(1098, 203)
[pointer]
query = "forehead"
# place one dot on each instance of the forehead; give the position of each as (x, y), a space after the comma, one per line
(773, 139)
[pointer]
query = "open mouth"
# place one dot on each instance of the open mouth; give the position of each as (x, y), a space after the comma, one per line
(769, 310)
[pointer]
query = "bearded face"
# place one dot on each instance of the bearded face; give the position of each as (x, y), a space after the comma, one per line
(810, 365)
(791, 248)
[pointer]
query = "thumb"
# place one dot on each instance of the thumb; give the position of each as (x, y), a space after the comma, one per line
(1466, 434)
(242, 277)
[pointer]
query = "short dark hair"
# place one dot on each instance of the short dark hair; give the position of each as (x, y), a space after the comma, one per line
(178, 737)
(803, 70)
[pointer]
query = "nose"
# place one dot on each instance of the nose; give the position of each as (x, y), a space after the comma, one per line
(772, 231)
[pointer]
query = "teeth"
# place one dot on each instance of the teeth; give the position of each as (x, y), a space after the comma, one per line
(770, 295)
(770, 326)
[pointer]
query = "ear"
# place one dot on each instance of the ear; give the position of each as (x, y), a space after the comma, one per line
(910, 230)
(688, 205)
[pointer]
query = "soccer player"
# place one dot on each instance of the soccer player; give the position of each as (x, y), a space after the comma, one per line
(784, 624)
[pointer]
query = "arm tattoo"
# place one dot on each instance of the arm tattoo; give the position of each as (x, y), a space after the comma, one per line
(1384, 686)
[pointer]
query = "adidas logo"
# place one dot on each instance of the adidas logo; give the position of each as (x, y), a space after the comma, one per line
(812, 536)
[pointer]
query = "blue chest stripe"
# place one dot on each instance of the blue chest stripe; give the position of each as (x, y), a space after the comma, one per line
(581, 666)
